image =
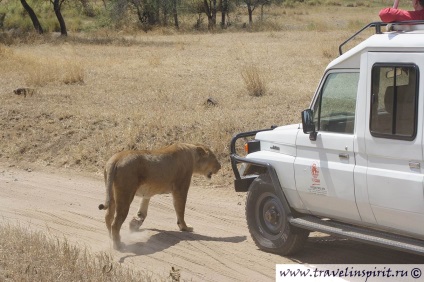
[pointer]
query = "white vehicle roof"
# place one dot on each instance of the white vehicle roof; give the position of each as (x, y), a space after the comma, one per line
(404, 38)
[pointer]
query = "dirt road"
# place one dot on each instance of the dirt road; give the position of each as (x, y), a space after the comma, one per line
(219, 249)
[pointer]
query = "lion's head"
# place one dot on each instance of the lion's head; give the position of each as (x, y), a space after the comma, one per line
(206, 162)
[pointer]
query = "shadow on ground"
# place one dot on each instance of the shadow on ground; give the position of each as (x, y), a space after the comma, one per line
(164, 239)
(328, 250)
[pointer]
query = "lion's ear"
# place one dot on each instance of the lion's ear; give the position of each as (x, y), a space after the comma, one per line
(201, 151)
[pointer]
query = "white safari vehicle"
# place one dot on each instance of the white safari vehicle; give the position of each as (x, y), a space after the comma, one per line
(354, 166)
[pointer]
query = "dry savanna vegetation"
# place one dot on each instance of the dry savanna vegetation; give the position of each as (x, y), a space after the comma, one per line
(26, 255)
(93, 98)
(105, 91)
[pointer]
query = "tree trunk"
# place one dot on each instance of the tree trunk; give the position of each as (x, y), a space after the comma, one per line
(165, 13)
(2, 17)
(214, 13)
(262, 12)
(250, 8)
(250, 11)
(208, 13)
(33, 17)
(57, 4)
(174, 11)
(224, 10)
(139, 12)
(157, 12)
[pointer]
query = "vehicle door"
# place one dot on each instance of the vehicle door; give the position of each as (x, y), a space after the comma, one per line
(324, 167)
(393, 141)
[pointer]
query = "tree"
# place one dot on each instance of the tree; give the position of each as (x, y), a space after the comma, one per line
(149, 11)
(251, 6)
(210, 11)
(174, 12)
(223, 4)
(118, 9)
(33, 16)
(2, 17)
(57, 5)
(264, 3)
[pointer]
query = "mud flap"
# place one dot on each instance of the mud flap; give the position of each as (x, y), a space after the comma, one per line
(243, 184)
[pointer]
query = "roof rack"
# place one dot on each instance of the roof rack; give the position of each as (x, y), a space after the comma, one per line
(377, 26)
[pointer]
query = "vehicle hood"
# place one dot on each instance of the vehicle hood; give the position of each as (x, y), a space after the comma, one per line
(280, 140)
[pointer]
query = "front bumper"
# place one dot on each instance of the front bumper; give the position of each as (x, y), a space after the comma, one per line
(242, 182)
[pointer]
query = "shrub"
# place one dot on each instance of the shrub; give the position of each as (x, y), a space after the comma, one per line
(254, 80)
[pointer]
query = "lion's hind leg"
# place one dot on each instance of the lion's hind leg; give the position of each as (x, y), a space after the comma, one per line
(122, 203)
(110, 213)
(138, 220)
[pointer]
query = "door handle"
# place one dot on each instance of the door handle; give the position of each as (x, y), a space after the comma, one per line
(414, 165)
(344, 156)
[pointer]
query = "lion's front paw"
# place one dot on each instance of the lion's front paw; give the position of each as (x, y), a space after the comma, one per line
(185, 227)
(135, 223)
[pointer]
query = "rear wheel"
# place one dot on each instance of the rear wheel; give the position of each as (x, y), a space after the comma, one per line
(268, 222)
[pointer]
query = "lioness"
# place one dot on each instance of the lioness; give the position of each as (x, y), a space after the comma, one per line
(148, 173)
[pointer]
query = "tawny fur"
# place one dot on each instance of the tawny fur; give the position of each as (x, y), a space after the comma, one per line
(148, 173)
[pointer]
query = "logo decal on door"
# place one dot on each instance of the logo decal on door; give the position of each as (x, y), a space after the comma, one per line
(316, 187)
(315, 174)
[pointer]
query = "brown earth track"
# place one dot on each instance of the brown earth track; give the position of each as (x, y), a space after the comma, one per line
(64, 203)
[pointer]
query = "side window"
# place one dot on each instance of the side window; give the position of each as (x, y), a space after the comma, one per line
(394, 101)
(334, 111)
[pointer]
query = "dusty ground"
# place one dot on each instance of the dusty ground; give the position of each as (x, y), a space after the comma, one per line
(65, 203)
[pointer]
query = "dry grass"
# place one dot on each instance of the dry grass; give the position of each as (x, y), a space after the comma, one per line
(42, 72)
(94, 99)
(61, 67)
(143, 96)
(34, 256)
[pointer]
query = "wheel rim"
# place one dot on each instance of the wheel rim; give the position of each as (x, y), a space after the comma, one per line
(270, 216)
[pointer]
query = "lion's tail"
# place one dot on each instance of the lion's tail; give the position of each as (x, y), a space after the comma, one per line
(109, 174)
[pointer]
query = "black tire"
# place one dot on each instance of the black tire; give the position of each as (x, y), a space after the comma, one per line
(268, 223)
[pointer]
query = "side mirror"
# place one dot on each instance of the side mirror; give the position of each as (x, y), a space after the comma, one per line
(308, 124)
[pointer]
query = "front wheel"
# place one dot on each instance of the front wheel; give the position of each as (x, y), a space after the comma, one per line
(267, 221)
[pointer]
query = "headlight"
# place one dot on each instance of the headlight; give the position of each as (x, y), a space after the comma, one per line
(252, 146)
